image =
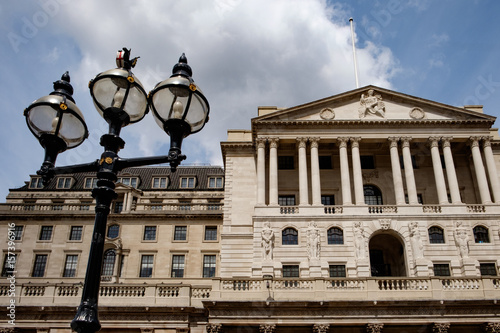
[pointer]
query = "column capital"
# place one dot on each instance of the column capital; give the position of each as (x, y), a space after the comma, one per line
(302, 142)
(446, 140)
(342, 142)
(474, 141)
(394, 141)
(314, 142)
(355, 141)
(374, 328)
(487, 141)
(434, 141)
(440, 327)
(321, 328)
(261, 142)
(406, 141)
(273, 142)
(267, 328)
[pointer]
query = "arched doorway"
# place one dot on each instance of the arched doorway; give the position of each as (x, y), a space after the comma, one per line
(387, 256)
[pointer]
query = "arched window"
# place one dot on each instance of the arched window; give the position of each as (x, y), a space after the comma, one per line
(113, 231)
(335, 236)
(108, 265)
(289, 236)
(481, 234)
(436, 235)
(373, 196)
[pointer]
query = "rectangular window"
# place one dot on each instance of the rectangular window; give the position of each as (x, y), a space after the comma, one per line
(39, 266)
(9, 264)
(118, 207)
(160, 182)
(70, 266)
(36, 182)
(209, 266)
(180, 233)
(328, 200)
(367, 162)
(286, 200)
(90, 182)
(285, 163)
(188, 182)
(337, 271)
(211, 233)
(488, 269)
(46, 232)
(128, 181)
(177, 266)
(149, 233)
(442, 270)
(76, 233)
(63, 182)
(215, 182)
(146, 266)
(290, 271)
(325, 163)
(18, 232)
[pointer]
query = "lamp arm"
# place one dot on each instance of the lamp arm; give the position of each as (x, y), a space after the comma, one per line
(48, 172)
(173, 158)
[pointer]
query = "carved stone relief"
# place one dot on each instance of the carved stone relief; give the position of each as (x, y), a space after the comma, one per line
(417, 114)
(327, 114)
(371, 104)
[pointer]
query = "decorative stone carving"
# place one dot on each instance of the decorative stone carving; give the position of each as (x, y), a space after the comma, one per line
(267, 241)
(267, 328)
(367, 176)
(321, 328)
(214, 328)
(359, 240)
(374, 328)
(492, 328)
(462, 240)
(440, 327)
(313, 241)
(417, 114)
(385, 224)
(371, 104)
(327, 114)
(7, 330)
(416, 242)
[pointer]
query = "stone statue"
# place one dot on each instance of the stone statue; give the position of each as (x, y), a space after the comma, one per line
(416, 242)
(462, 240)
(313, 241)
(267, 241)
(371, 104)
(359, 240)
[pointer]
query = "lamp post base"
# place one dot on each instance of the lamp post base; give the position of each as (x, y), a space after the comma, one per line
(86, 320)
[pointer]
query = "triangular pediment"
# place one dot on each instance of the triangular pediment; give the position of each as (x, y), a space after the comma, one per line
(371, 104)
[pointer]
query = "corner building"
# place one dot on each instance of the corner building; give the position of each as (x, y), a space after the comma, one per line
(368, 211)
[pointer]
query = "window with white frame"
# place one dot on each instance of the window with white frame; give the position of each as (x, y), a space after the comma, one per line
(146, 265)
(215, 182)
(188, 182)
(128, 181)
(64, 182)
(90, 182)
(36, 182)
(177, 265)
(159, 182)
(70, 265)
(209, 265)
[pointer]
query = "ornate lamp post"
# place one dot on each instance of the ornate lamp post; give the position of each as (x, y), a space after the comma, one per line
(179, 107)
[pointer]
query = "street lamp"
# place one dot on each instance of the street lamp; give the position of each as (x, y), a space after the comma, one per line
(179, 107)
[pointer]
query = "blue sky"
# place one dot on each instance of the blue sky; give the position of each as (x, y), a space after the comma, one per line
(244, 54)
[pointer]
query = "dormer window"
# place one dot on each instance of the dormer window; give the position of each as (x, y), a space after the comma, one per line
(90, 182)
(188, 182)
(36, 182)
(128, 181)
(159, 182)
(215, 182)
(64, 182)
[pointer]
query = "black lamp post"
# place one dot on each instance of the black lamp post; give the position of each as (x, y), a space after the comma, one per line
(179, 107)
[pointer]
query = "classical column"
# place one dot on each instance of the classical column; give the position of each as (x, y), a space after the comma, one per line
(125, 207)
(273, 171)
(344, 171)
(261, 171)
(303, 188)
(359, 196)
(440, 327)
(482, 182)
(267, 328)
(315, 173)
(438, 170)
(409, 176)
(450, 170)
(374, 328)
(321, 328)
(492, 170)
(396, 172)
(130, 199)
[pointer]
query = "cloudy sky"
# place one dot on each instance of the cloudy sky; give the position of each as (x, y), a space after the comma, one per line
(244, 54)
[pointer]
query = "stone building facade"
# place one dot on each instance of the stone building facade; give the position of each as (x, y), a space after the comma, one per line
(368, 211)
